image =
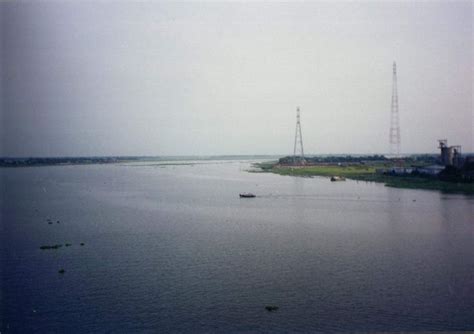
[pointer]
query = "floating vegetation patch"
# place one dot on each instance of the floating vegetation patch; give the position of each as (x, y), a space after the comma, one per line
(271, 308)
(51, 247)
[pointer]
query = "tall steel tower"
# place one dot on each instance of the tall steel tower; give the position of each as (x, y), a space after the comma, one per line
(394, 120)
(298, 152)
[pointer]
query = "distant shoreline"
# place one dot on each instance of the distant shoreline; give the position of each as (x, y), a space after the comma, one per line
(88, 160)
(67, 161)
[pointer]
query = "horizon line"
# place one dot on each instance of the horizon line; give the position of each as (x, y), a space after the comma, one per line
(214, 155)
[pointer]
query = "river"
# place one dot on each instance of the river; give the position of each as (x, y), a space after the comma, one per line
(172, 248)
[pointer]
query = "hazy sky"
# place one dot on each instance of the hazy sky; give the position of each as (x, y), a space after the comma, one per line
(157, 78)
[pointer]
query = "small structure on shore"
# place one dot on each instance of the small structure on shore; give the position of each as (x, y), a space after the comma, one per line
(430, 170)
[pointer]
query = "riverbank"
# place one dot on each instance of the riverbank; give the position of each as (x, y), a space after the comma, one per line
(368, 173)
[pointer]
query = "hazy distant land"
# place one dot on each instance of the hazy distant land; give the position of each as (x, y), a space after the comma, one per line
(52, 161)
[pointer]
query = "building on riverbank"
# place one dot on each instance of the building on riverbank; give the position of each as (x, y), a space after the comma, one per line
(450, 155)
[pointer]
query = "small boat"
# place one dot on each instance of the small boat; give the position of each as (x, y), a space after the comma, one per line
(338, 178)
(247, 195)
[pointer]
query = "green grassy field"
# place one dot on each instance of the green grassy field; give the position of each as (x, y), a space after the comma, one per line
(367, 173)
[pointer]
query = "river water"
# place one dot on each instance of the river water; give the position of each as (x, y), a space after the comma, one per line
(174, 249)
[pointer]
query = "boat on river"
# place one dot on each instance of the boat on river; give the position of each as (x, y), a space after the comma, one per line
(247, 195)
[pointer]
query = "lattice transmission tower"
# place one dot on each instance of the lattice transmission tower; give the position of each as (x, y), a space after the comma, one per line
(394, 118)
(298, 152)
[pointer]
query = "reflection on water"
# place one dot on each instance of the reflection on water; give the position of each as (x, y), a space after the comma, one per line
(175, 249)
